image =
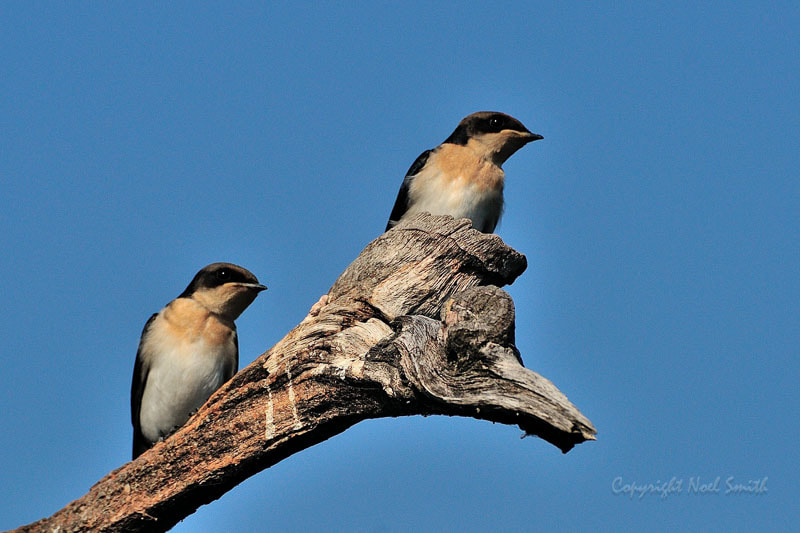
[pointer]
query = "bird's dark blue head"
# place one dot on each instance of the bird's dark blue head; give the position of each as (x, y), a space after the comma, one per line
(484, 122)
(217, 274)
(492, 135)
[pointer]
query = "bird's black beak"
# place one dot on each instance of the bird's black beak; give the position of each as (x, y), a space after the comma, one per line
(255, 286)
(533, 137)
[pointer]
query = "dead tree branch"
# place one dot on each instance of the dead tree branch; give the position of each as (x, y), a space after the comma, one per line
(415, 325)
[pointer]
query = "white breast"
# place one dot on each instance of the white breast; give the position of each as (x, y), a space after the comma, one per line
(459, 196)
(182, 376)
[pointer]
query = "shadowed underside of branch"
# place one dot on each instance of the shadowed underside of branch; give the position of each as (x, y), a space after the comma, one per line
(415, 325)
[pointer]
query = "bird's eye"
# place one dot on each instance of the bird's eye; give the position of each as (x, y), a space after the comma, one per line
(223, 274)
(495, 124)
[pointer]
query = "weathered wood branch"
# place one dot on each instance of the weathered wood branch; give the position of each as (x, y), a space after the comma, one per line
(415, 325)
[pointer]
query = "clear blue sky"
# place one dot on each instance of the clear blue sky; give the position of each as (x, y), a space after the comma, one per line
(659, 217)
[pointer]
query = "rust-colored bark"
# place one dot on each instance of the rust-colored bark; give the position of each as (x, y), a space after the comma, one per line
(415, 325)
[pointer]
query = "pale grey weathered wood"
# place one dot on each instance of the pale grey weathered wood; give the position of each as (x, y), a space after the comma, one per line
(416, 325)
(469, 360)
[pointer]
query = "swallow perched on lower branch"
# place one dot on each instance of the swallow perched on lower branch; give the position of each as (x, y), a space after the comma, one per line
(463, 176)
(188, 350)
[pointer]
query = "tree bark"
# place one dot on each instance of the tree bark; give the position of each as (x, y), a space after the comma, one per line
(415, 325)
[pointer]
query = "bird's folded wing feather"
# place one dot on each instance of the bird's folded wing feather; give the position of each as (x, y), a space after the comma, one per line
(140, 370)
(401, 204)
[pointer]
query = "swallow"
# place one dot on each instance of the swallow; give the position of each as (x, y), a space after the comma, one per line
(463, 177)
(188, 350)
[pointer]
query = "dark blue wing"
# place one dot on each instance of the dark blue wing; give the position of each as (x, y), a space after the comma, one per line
(236, 360)
(401, 204)
(140, 371)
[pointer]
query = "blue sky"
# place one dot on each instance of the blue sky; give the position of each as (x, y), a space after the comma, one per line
(659, 217)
